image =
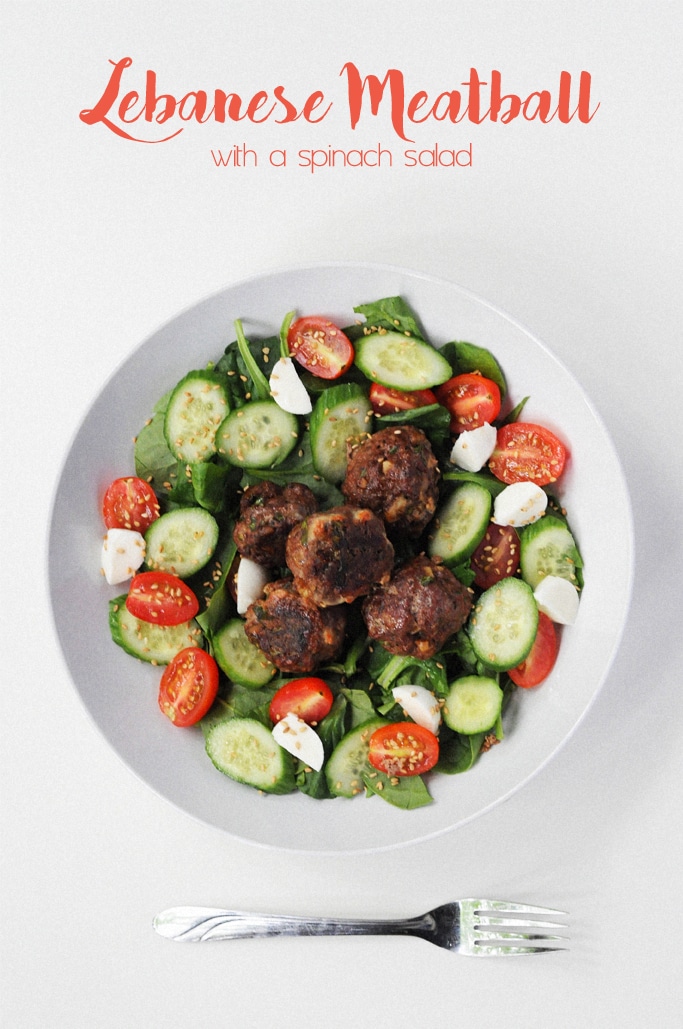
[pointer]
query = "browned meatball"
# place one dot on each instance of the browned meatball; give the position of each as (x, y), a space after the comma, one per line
(268, 512)
(338, 555)
(296, 635)
(395, 473)
(418, 610)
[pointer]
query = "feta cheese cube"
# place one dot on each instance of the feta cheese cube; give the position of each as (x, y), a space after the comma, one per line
(473, 448)
(558, 599)
(519, 504)
(123, 551)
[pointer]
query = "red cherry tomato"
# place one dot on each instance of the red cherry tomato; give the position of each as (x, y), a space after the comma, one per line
(385, 400)
(403, 748)
(161, 598)
(471, 400)
(188, 686)
(320, 346)
(496, 557)
(527, 453)
(540, 661)
(130, 503)
(310, 698)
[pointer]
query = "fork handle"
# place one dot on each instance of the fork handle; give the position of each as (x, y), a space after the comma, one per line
(196, 924)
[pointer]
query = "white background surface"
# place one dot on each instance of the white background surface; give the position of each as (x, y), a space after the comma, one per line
(574, 230)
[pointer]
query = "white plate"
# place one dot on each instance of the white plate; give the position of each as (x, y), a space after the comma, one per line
(120, 693)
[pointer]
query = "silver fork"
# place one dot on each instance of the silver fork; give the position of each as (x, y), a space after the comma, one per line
(477, 928)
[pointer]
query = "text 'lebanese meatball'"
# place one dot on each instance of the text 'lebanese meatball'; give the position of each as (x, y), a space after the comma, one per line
(418, 610)
(296, 635)
(395, 473)
(338, 555)
(268, 512)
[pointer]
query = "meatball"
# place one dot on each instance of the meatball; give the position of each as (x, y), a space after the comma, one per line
(296, 635)
(395, 473)
(418, 610)
(268, 512)
(338, 555)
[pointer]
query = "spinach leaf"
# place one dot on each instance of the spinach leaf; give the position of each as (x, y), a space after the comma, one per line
(391, 670)
(246, 703)
(263, 353)
(219, 712)
(464, 572)
(181, 493)
(211, 485)
(238, 702)
(457, 753)
(433, 419)
(407, 792)
(392, 313)
(360, 706)
(260, 387)
(354, 654)
(468, 357)
(460, 655)
(154, 462)
(514, 414)
(220, 606)
(331, 730)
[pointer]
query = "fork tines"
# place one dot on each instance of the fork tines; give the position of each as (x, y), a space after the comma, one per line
(502, 927)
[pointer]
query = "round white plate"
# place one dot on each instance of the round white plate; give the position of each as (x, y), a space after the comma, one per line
(120, 693)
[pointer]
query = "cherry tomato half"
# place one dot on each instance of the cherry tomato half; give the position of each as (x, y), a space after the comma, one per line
(496, 557)
(310, 698)
(471, 400)
(527, 453)
(403, 748)
(130, 503)
(161, 598)
(188, 686)
(320, 346)
(540, 660)
(385, 400)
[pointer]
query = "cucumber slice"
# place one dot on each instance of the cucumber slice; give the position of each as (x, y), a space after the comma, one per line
(198, 405)
(547, 547)
(239, 658)
(461, 523)
(258, 435)
(401, 362)
(341, 413)
(244, 749)
(181, 542)
(503, 623)
(473, 704)
(349, 760)
(156, 644)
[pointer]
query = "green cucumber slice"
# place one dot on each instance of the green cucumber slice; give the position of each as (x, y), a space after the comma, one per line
(473, 704)
(198, 405)
(503, 623)
(244, 750)
(258, 435)
(547, 547)
(348, 762)
(156, 644)
(239, 658)
(341, 413)
(401, 362)
(461, 523)
(181, 542)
